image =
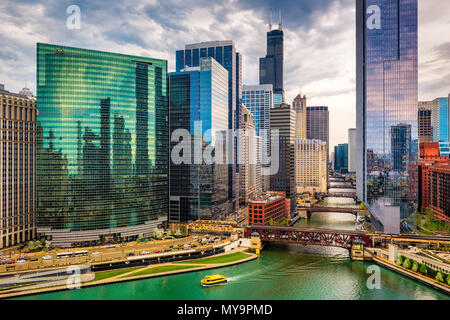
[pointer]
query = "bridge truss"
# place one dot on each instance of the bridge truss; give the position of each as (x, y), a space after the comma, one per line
(309, 236)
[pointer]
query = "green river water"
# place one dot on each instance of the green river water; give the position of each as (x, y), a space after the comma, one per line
(281, 272)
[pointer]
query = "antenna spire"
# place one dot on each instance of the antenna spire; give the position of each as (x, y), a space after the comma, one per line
(270, 20)
(280, 25)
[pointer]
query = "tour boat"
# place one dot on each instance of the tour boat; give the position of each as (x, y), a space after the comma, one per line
(213, 280)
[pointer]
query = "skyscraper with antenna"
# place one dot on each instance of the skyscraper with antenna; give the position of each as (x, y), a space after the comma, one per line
(271, 66)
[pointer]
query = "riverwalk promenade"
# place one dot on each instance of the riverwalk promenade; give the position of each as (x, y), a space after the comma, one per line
(236, 256)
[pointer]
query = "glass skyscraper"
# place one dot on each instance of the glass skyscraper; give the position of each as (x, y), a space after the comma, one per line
(386, 53)
(102, 145)
(199, 94)
(259, 100)
(341, 158)
(441, 120)
(224, 52)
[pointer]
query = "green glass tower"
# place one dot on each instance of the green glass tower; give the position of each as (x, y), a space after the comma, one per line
(102, 145)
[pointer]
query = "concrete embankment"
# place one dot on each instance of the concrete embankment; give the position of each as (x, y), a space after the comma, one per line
(411, 274)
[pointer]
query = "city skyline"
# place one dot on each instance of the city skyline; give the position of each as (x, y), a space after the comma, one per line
(326, 29)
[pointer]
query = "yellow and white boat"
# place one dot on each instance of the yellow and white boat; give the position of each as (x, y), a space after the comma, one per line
(213, 280)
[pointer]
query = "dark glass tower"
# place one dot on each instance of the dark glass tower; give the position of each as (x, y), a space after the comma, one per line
(271, 66)
(102, 145)
(341, 158)
(224, 52)
(386, 110)
(199, 190)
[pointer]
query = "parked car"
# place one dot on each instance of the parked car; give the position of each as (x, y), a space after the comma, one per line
(130, 254)
(145, 252)
(21, 261)
(10, 261)
(47, 257)
(157, 251)
(34, 259)
(168, 249)
(95, 253)
(111, 246)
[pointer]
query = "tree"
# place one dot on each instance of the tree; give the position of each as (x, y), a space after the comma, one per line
(48, 244)
(423, 269)
(440, 276)
(399, 260)
(448, 279)
(415, 266)
(407, 263)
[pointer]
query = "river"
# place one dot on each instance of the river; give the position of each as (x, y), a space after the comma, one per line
(281, 272)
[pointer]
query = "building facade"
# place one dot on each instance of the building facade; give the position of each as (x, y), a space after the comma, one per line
(386, 96)
(102, 145)
(310, 166)
(341, 158)
(429, 157)
(198, 104)
(282, 118)
(250, 169)
(299, 105)
(352, 150)
(224, 52)
(441, 120)
(267, 208)
(259, 100)
(18, 150)
(425, 125)
(318, 126)
(439, 190)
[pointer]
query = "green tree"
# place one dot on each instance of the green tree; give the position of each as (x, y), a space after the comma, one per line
(399, 260)
(439, 276)
(423, 269)
(407, 263)
(448, 279)
(415, 266)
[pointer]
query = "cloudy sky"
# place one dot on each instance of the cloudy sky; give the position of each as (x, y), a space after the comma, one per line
(319, 41)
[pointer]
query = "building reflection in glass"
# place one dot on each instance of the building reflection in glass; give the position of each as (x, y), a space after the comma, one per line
(102, 145)
(387, 110)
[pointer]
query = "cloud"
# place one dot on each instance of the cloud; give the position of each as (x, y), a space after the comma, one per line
(319, 41)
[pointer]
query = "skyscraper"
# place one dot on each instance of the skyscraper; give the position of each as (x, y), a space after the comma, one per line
(282, 118)
(386, 96)
(199, 96)
(441, 120)
(425, 126)
(318, 126)
(17, 150)
(310, 166)
(259, 100)
(352, 150)
(250, 173)
(341, 158)
(102, 145)
(299, 105)
(224, 52)
(271, 66)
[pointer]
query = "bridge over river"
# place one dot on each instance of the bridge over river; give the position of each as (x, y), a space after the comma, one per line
(339, 238)
(311, 236)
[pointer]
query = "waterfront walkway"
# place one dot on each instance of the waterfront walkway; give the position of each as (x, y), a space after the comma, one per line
(136, 273)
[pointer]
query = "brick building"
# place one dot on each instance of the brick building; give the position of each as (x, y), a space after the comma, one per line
(272, 205)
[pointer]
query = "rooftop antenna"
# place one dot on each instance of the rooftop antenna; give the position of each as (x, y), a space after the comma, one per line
(280, 25)
(270, 20)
